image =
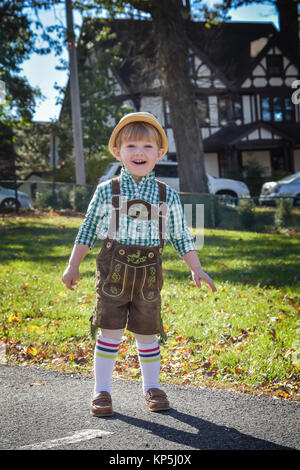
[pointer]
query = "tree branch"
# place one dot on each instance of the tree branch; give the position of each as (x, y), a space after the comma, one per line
(142, 5)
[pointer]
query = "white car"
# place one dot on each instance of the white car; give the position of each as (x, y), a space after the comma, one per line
(168, 172)
(8, 201)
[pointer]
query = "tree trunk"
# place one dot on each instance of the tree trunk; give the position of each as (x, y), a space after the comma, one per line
(75, 98)
(172, 42)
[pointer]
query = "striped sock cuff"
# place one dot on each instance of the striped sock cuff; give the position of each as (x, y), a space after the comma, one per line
(149, 352)
(107, 348)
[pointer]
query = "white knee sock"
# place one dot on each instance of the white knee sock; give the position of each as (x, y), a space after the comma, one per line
(149, 357)
(106, 351)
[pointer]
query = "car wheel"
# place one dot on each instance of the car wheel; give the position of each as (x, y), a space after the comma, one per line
(9, 205)
(228, 197)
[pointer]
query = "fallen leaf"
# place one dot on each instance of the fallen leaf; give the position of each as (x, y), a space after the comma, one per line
(38, 382)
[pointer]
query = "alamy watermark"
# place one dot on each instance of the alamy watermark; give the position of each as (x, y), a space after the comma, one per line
(296, 94)
(147, 220)
(3, 359)
(2, 92)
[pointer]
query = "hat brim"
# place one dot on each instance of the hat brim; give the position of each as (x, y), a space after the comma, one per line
(134, 117)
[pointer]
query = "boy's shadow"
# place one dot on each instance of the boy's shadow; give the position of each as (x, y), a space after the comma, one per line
(210, 436)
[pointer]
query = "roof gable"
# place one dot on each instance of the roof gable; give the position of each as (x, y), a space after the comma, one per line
(224, 49)
(257, 73)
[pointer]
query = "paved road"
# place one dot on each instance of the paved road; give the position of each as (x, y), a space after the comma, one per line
(56, 416)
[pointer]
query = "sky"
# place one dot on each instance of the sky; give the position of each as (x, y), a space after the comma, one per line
(40, 70)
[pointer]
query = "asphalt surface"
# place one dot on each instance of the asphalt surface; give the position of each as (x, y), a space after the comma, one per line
(55, 415)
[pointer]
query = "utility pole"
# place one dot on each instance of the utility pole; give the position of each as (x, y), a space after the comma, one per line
(75, 98)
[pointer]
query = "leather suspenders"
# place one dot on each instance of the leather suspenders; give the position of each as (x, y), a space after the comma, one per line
(161, 211)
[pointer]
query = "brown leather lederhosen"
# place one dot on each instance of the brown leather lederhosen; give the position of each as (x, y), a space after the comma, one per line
(129, 277)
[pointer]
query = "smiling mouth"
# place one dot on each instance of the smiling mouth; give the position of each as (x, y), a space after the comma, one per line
(139, 162)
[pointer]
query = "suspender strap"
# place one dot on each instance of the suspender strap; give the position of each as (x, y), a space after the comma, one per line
(162, 210)
(162, 207)
(116, 199)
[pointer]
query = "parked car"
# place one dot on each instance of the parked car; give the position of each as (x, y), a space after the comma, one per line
(8, 201)
(168, 172)
(285, 187)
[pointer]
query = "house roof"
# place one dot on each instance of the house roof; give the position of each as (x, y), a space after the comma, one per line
(227, 45)
(233, 135)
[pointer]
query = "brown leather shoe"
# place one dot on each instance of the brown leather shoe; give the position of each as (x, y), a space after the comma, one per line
(157, 400)
(101, 405)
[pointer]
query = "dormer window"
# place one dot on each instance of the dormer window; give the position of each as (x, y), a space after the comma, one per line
(274, 65)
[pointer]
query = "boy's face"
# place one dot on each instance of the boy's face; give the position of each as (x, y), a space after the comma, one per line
(139, 157)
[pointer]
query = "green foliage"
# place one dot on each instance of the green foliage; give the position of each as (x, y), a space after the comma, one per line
(246, 211)
(216, 211)
(253, 176)
(283, 213)
(80, 197)
(44, 200)
(66, 197)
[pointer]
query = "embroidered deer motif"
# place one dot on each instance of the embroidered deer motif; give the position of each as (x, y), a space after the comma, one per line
(136, 258)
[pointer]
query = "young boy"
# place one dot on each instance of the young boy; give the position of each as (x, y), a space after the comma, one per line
(131, 213)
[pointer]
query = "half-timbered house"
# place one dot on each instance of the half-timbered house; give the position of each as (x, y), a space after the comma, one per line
(243, 79)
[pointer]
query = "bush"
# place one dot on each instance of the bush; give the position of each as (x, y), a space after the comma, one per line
(80, 197)
(63, 198)
(254, 176)
(72, 197)
(246, 211)
(216, 208)
(283, 212)
(45, 200)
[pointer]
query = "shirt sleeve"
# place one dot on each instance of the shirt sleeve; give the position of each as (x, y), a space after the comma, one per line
(87, 233)
(178, 231)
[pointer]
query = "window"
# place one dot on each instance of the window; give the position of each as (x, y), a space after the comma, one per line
(203, 110)
(274, 65)
(288, 105)
(230, 109)
(169, 171)
(278, 160)
(223, 111)
(277, 109)
(266, 109)
(237, 108)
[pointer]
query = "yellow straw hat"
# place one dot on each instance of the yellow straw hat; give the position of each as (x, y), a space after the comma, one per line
(141, 117)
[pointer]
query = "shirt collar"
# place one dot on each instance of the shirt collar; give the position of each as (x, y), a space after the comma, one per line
(125, 174)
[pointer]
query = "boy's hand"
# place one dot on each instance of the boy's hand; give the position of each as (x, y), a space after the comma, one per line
(70, 276)
(199, 275)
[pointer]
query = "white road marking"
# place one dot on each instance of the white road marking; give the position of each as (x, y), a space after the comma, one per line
(79, 436)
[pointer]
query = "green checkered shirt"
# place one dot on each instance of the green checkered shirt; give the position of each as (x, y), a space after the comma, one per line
(135, 231)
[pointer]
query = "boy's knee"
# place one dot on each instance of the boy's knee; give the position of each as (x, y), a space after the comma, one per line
(112, 334)
(145, 339)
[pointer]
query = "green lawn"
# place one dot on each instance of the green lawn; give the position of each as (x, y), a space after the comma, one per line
(245, 336)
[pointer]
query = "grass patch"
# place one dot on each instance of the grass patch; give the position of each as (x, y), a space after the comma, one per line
(244, 336)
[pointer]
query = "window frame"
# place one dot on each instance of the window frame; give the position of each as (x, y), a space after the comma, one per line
(284, 109)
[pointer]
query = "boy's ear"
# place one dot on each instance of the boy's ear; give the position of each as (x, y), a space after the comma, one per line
(116, 152)
(160, 153)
